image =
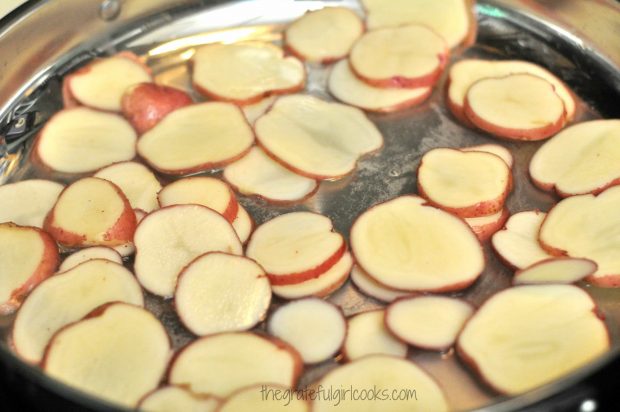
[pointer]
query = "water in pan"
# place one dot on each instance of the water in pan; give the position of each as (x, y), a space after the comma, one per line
(391, 172)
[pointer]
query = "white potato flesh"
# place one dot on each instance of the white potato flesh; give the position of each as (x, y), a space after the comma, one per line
(314, 327)
(449, 18)
(243, 72)
(94, 252)
(197, 137)
(255, 110)
(243, 224)
(257, 174)
(346, 87)
(137, 182)
(316, 138)
(428, 322)
(367, 335)
(68, 297)
(198, 190)
(457, 179)
(581, 159)
(374, 289)
(176, 398)
(170, 238)
(586, 226)
(517, 244)
(221, 364)
(26, 203)
(293, 243)
(526, 336)
(495, 149)
(83, 140)
(321, 286)
(558, 270)
(403, 243)
(324, 35)
(409, 52)
(103, 84)
(118, 355)
(219, 292)
(466, 72)
(398, 378)
(264, 398)
(484, 220)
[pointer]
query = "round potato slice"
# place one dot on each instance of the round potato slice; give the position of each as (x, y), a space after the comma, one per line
(367, 335)
(26, 203)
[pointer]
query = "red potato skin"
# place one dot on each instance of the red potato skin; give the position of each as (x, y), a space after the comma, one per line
(121, 232)
(484, 232)
(48, 265)
(145, 104)
(551, 187)
(412, 294)
(519, 271)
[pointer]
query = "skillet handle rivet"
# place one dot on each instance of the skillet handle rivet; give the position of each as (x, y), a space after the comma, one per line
(109, 9)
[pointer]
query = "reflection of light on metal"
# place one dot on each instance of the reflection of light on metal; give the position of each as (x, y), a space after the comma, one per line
(488, 10)
(265, 33)
(186, 55)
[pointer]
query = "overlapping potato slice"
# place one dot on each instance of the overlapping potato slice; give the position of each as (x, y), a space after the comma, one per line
(374, 289)
(27, 202)
(486, 226)
(93, 252)
(137, 182)
(368, 335)
(176, 398)
(556, 270)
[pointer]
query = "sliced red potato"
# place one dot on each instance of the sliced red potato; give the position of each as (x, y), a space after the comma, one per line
(132, 352)
(26, 203)
(176, 398)
(387, 57)
(27, 257)
(451, 19)
(516, 107)
(497, 150)
(486, 226)
(323, 35)
(367, 335)
(197, 138)
(468, 184)
(526, 336)
(243, 224)
(168, 239)
(585, 158)
(128, 249)
(245, 73)
(428, 322)
(264, 398)
(315, 138)
(90, 212)
(517, 244)
(137, 182)
(82, 140)
(224, 363)
(68, 297)
(585, 226)
(255, 110)
(314, 327)
(403, 244)
(295, 247)
(219, 292)
(374, 289)
(386, 374)
(259, 175)
(327, 283)
(145, 104)
(94, 252)
(555, 270)
(101, 84)
(346, 87)
(466, 72)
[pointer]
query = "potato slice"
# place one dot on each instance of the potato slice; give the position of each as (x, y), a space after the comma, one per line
(527, 336)
(137, 182)
(264, 398)
(346, 87)
(396, 377)
(84, 255)
(196, 138)
(468, 184)
(219, 292)
(315, 138)
(255, 110)
(402, 244)
(245, 73)
(374, 289)
(323, 35)
(27, 257)
(555, 270)
(168, 239)
(367, 335)
(314, 327)
(497, 150)
(486, 226)
(585, 158)
(388, 57)
(132, 352)
(223, 363)
(243, 224)
(176, 399)
(68, 297)
(82, 140)
(26, 203)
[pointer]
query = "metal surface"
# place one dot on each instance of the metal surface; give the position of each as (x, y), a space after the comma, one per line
(587, 60)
